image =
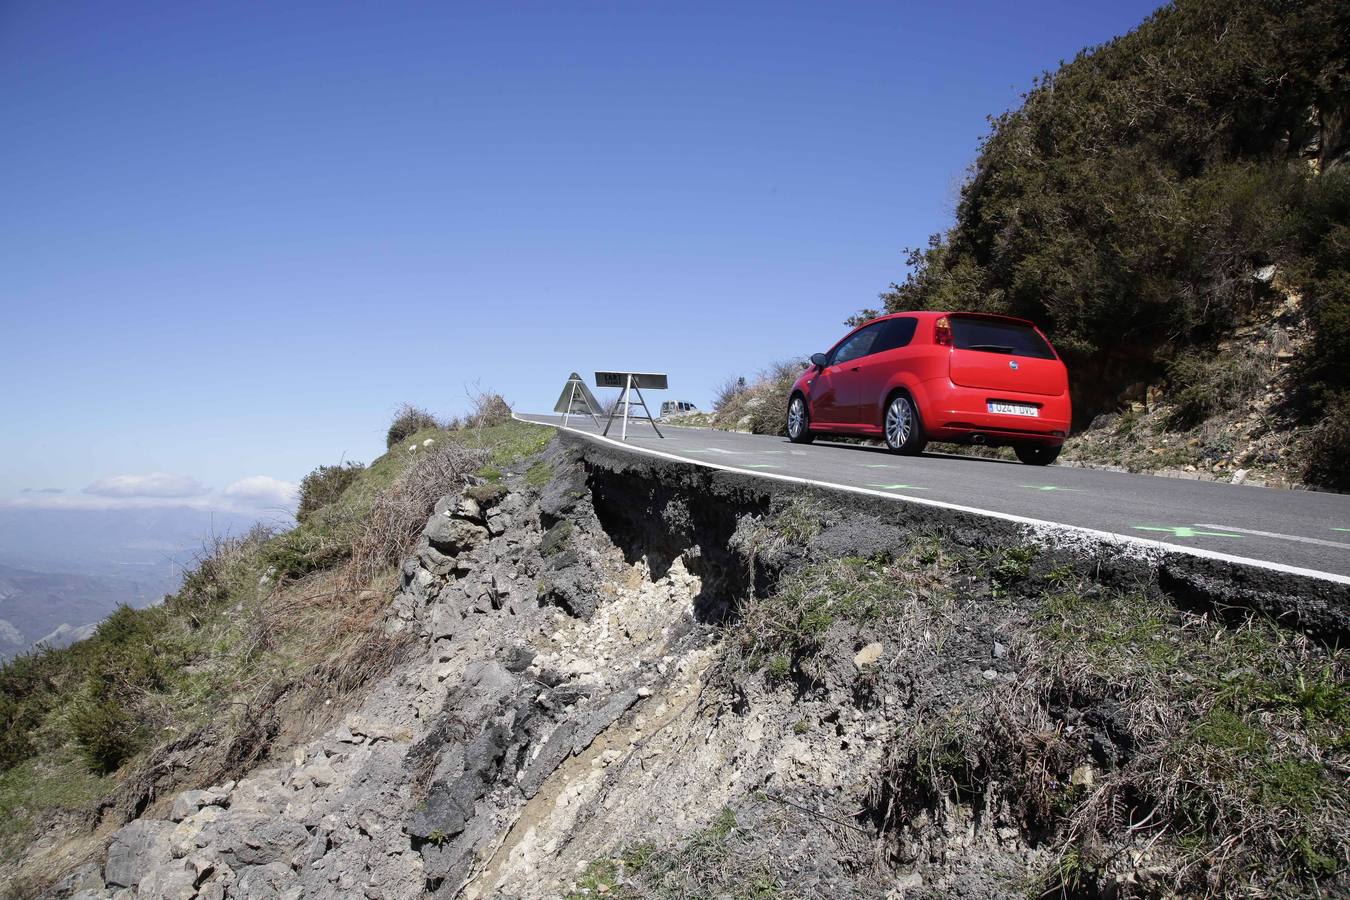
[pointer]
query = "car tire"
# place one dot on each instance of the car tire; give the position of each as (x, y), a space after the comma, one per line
(902, 427)
(1036, 454)
(799, 421)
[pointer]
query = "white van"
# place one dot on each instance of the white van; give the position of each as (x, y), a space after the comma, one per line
(677, 408)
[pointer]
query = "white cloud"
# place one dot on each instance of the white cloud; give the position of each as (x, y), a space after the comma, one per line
(254, 495)
(263, 492)
(89, 501)
(159, 485)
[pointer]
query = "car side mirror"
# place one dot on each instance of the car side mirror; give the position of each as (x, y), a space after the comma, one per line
(818, 360)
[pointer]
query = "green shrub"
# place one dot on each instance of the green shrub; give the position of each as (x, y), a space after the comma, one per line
(304, 549)
(1126, 203)
(1204, 384)
(225, 566)
(1329, 447)
(324, 485)
(1320, 226)
(17, 721)
(106, 731)
(408, 420)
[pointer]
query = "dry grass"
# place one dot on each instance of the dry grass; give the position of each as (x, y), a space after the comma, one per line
(761, 406)
(727, 392)
(487, 409)
(843, 601)
(1155, 746)
(386, 534)
(1143, 748)
(723, 859)
(1236, 781)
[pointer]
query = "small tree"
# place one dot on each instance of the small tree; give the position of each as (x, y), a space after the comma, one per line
(324, 485)
(728, 391)
(408, 421)
(489, 409)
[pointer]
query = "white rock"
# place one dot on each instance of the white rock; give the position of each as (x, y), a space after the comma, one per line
(867, 656)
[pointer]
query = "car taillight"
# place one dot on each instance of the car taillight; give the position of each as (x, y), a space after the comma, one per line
(942, 332)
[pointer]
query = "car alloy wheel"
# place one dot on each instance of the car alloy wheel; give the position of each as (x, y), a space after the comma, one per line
(796, 417)
(899, 423)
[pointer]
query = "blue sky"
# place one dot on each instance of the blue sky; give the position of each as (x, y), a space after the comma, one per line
(234, 237)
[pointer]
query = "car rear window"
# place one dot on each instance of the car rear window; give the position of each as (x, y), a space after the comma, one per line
(993, 336)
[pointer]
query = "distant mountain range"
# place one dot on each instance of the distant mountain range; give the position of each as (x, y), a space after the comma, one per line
(61, 608)
(63, 570)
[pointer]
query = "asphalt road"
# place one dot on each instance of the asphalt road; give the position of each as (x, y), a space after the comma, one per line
(1304, 530)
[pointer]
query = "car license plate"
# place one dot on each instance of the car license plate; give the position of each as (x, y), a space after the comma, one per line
(1013, 409)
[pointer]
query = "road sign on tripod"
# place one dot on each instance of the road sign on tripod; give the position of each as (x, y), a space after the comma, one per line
(577, 399)
(631, 383)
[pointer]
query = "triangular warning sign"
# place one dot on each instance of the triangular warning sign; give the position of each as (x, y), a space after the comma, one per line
(577, 399)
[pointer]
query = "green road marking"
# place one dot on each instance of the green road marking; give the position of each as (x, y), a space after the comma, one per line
(1053, 487)
(761, 466)
(1185, 531)
(879, 466)
(1340, 529)
(899, 487)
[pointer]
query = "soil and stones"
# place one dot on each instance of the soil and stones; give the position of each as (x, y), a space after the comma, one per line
(635, 678)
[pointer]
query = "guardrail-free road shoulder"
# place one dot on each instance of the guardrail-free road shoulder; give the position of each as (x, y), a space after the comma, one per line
(1297, 533)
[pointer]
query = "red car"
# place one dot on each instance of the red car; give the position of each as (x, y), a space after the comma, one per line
(915, 377)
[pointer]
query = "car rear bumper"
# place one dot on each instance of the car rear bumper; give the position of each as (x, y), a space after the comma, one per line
(961, 414)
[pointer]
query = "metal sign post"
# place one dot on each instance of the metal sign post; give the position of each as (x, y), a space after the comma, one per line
(631, 382)
(575, 394)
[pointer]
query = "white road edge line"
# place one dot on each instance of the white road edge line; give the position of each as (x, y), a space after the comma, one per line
(1283, 537)
(1108, 536)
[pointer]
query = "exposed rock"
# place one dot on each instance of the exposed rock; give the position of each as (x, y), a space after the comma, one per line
(468, 508)
(137, 849)
(553, 540)
(189, 802)
(510, 748)
(602, 719)
(518, 659)
(454, 536)
(242, 839)
(87, 879)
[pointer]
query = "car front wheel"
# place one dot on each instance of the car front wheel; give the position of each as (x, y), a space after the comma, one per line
(1036, 454)
(799, 421)
(904, 431)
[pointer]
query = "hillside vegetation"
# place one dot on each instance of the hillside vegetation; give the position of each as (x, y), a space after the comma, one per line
(1136, 202)
(265, 632)
(503, 663)
(1173, 208)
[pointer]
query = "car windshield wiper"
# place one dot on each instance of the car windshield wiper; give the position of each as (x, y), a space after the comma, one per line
(995, 348)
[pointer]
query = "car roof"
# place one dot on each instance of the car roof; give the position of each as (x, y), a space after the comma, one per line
(937, 314)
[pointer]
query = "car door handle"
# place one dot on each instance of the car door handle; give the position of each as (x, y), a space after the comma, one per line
(855, 368)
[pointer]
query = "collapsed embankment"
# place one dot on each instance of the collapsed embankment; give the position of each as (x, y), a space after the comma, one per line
(635, 677)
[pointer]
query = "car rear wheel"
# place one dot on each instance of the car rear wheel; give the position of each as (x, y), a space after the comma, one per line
(904, 431)
(1036, 454)
(799, 421)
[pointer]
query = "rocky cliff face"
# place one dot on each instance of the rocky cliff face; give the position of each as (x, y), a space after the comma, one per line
(517, 689)
(599, 702)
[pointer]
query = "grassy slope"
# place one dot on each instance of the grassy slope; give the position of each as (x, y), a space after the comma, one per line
(1135, 739)
(80, 724)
